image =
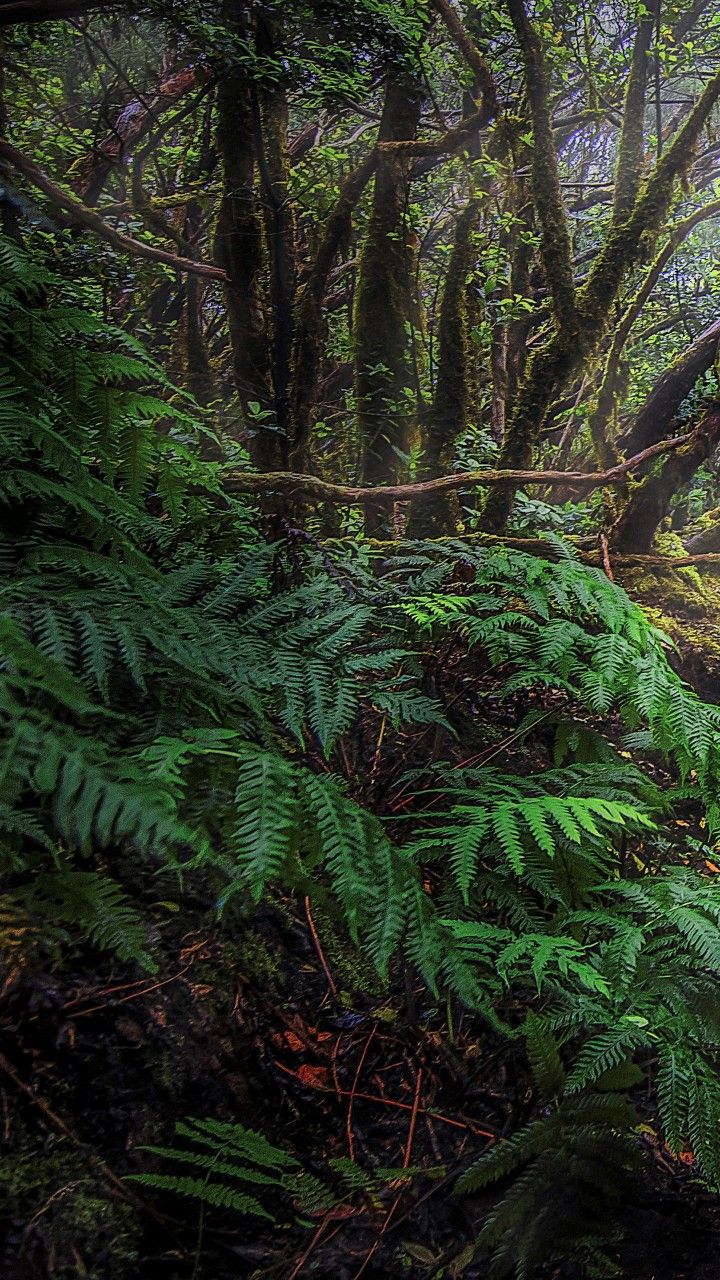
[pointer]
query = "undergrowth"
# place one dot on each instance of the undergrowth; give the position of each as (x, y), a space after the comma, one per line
(227, 708)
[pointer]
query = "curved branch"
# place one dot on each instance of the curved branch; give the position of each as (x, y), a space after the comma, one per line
(84, 217)
(610, 387)
(356, 495)
(478, 65)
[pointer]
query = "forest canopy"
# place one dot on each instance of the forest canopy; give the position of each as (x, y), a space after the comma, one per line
(359, 737)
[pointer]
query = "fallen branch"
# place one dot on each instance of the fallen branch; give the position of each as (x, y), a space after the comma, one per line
(355, 495)
(82, 216)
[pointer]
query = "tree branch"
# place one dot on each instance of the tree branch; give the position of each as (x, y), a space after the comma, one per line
(354, 495)
(547, 196)
(448, 142)
(84, 217)
(623, 246)
(632, 137)
(23, 11)
(466, 45)
(611, 385)
(671, 388)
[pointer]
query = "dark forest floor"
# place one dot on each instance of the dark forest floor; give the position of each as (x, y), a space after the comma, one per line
(249, 1029)
(271, 1020)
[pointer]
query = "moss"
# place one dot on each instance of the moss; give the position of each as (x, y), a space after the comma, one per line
(686, 606)
(549, 204)
(261, 961)
(57, 1208)
(681, 593)
(350, 967)
(548, 371)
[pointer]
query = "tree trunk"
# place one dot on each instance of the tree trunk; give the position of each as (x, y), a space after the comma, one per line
(270, 118)
(635, 529)
(383, 305)
(310, 325)
(239, 249)
(449, 411)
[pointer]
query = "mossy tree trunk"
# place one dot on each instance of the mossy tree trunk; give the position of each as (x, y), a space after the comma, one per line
(310, 322)
(449, 411)
(240, 250)
(383, 304)
(650, 502)
(270, 118)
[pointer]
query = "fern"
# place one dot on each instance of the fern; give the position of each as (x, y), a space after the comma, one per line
(95, 907)
(577, 1156)
(231, 1157)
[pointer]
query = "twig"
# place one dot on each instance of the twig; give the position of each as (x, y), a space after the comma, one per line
(413, 1119)
(306, 1254)
(135, 995)
(318, 947)
(358, 1069)
(464, 1123)
(605, 553)
(406, 1162)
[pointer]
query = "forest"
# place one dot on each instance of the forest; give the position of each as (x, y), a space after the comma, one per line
(359, 639)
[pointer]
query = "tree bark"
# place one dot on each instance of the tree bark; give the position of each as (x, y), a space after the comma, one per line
(310, 319)
(270, 116)
(654, 417)
(383, 304)
(448, 414)
(240, 249)
(635, 529)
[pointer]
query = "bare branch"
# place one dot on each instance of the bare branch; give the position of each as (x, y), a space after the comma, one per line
(84, 217)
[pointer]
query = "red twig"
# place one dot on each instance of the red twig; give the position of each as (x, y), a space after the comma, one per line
(413, 1119)
(318, 947)
(358, 1069)
(135, 995)
(306, 1253)
(406, 1161)
(391, 1102)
